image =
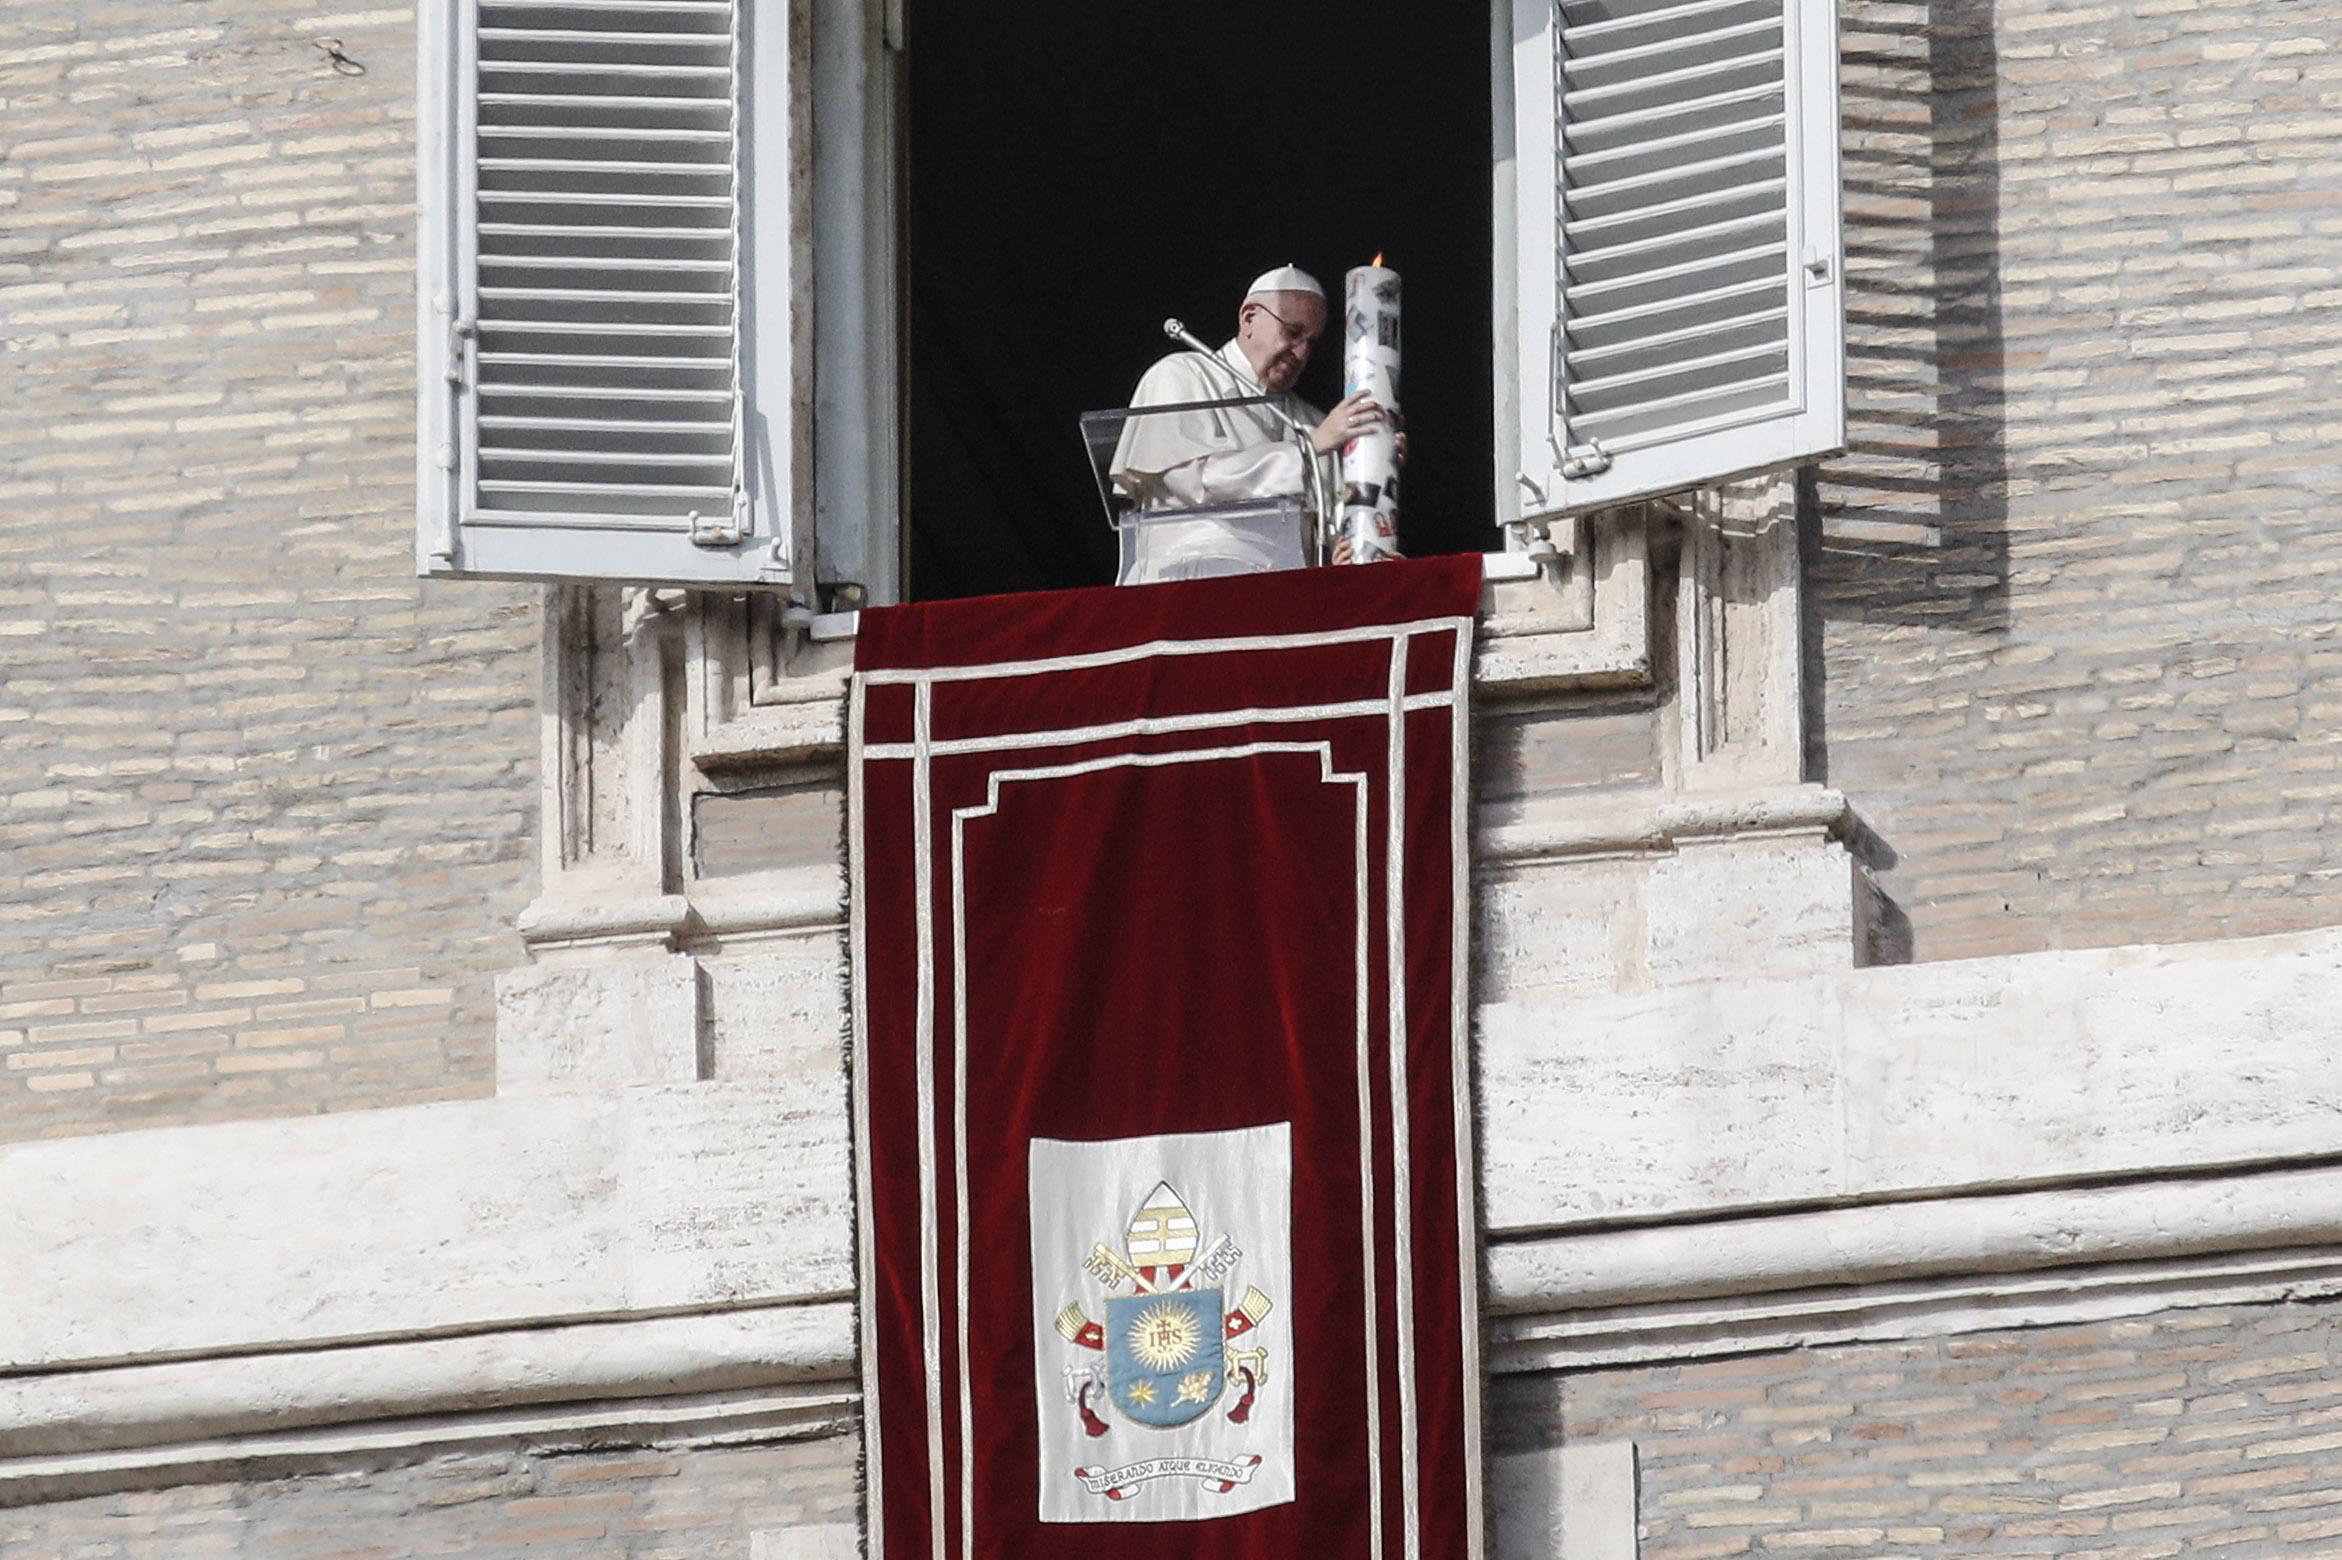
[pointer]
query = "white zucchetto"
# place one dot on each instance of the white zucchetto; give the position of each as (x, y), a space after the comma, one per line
(1285, 279)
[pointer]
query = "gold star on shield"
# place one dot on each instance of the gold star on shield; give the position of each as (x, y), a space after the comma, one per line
(1142, 1392)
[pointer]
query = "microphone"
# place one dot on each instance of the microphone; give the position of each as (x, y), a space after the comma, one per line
(1177, 330)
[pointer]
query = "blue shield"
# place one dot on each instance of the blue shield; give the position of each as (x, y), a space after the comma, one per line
(1163, 1361)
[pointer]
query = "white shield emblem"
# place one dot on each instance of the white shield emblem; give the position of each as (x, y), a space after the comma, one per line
(1161, 1338)
(1163, 1356)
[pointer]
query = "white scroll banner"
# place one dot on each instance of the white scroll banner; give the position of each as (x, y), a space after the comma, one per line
(1216, 1475)
(1370, 362)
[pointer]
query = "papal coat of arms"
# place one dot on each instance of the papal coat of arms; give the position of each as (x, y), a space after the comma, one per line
(1168, 1351)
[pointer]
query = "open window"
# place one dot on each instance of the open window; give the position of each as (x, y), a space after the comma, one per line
(1078, 173)
(663, 334)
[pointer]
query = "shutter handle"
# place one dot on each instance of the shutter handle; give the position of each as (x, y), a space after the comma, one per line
(1589, 459)
(459, 331)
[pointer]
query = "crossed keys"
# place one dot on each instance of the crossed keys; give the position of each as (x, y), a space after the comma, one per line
(1110, 1269)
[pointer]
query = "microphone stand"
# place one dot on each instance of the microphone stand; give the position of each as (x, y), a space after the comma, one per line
(1312, 479)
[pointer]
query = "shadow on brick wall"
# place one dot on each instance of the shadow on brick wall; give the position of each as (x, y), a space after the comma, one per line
(1910, 527)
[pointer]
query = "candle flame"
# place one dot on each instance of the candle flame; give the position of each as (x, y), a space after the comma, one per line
(1378, 259)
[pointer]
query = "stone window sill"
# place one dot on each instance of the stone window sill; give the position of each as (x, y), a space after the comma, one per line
(765, 693)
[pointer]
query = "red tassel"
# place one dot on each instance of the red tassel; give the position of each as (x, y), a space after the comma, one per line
(1243, 1409)
(1091, 1422)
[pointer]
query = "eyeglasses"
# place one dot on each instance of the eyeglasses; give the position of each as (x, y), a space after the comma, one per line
(1294, 334)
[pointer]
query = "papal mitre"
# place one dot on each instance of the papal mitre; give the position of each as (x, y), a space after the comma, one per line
(1161, 1235)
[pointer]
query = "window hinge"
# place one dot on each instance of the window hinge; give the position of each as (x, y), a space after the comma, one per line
(796, 623)
(1589, 459)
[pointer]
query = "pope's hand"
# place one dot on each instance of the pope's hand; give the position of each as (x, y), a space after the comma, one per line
(1344, 554)
(1354, 415)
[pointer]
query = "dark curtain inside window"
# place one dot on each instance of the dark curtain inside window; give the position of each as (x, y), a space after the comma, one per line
(1078, 172)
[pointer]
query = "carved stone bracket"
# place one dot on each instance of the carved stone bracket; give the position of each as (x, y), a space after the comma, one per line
(1737, 690)
(763, 690)
(1581, 622)
(610, 714)
(606, 1000)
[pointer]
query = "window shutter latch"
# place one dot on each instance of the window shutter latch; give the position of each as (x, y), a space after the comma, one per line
(1817, 268)
(459, 332)
(721, 530)
(1585, 460)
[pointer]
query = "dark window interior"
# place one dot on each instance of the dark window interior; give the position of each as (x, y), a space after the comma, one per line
(1078, 172)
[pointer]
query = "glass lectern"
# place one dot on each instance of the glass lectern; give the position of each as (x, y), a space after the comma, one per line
(1164, 539)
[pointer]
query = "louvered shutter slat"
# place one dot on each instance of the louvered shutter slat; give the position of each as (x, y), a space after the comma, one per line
(1636, 294)
(548, 370)
(634, 461)
(611, 40)
(718, 77)
(715, 142)
(1647, 221)
(583, 426)
(1685, 341)
(1679, 159)
(1714, 244)
(641, 395)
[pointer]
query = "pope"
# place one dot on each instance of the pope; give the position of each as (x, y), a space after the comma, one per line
(1223, 453)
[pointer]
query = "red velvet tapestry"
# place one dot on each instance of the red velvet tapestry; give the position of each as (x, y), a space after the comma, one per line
(1161, 1086)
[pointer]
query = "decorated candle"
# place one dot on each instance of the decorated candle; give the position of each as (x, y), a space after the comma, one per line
(1370, 362)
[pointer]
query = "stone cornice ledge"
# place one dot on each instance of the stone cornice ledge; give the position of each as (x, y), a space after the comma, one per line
(580, 916)
(1652, 824)
(778, 902)
(799, 901)
(772, 1370)
(1905, 1268)
(808, 725)
(813, 900)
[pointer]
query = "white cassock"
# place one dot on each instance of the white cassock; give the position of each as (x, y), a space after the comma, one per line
(1213, 455)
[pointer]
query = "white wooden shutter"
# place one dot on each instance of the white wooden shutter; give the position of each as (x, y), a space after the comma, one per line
(1681, 313)
(584, 284)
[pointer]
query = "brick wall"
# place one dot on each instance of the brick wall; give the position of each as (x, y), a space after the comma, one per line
(2074, 584)
(265, 804)
(2197, 1432)
(650, 1505)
